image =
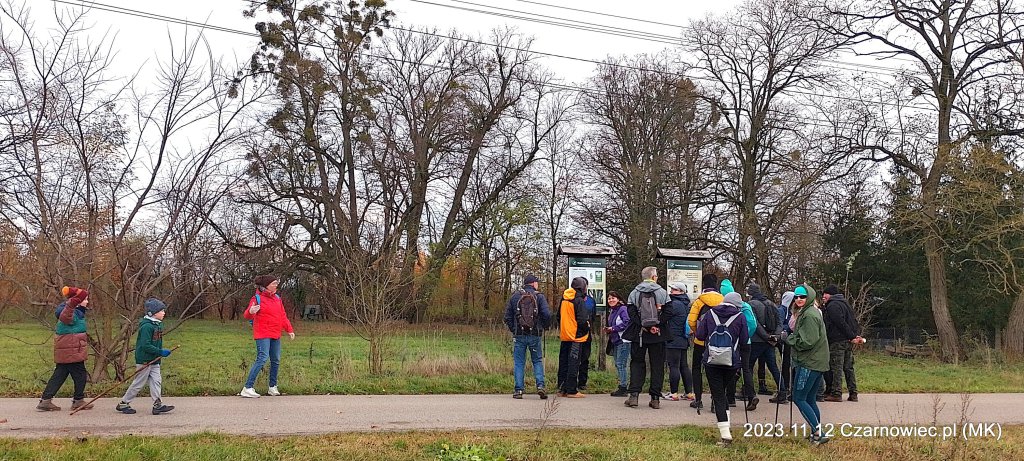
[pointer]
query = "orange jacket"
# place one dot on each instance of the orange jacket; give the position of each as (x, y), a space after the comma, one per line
(570, 328)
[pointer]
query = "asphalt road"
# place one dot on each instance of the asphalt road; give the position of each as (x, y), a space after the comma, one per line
(318, 414)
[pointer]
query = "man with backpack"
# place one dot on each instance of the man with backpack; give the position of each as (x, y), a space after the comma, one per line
(842, 330)
(648, 335)
(766, 336)
(722, 331)
(527, 316)
(708, 297)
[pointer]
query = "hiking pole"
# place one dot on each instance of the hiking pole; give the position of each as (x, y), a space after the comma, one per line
(792, 391)
(144, 366)
(743, 390)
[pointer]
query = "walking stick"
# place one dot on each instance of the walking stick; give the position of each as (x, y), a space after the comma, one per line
(746, 414)
(146, 365)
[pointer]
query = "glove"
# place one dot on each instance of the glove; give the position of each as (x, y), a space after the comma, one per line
(165, 352)
(785, 335)
(254, 309)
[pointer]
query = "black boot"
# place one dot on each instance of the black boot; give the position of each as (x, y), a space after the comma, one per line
(620, 392)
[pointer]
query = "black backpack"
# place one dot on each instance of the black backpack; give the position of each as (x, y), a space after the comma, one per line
(526, 309)
(771, 323)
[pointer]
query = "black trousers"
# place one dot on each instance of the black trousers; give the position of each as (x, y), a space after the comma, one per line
(655, 353)
(60, 374)
(787, 368)
(764, 354)
(718, 379)
(678, 368)
(748, 378)
(696, 366)
(584, 374)
(569, 366)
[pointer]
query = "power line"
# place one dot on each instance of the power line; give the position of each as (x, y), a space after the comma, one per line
(623, 32)
(170, 19)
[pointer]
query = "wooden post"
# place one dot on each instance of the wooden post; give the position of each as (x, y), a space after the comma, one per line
(598, 346)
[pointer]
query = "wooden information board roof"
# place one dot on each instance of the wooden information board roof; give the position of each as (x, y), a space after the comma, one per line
(675, 253)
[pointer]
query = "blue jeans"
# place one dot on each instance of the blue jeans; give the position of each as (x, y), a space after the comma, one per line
(520, 343)
(806, 383)
(265, 348)
(622, 363)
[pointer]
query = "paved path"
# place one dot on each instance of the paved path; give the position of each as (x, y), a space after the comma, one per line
(308, 414)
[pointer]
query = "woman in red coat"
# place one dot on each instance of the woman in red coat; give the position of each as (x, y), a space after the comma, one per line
(268, 320)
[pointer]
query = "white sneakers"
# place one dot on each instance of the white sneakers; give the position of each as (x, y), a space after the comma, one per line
(273, 391)
(250, 393)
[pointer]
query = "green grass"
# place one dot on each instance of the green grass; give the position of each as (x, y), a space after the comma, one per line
(329, 358)
(688, 442)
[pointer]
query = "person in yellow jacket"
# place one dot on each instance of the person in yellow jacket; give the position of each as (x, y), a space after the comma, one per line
(708, 298)
(574, 329)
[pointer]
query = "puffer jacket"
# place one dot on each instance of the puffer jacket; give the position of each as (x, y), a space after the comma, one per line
(71, 344)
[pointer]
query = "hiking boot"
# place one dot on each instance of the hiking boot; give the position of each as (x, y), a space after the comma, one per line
(820, 398)
(655, 403)
(724, 443)
(633, 401)
(620, 392)
(834, 398)
(577, 395)
(518, 395)
(80, 404)
(543, 393)
(125, 408)
(818, 440)
(780, 399)
(273, 391)
(160, 408)
(47, 405)
(752, 404)
(852, 398)
(696, 404)
(249, 393)
(581, 387)
(764, 391)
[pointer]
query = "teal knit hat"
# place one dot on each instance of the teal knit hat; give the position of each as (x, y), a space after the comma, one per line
(800, 291)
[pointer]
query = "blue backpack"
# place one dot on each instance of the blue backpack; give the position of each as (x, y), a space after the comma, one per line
(721, 346)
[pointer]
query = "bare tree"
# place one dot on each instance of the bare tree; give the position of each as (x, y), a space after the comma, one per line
(954, 47)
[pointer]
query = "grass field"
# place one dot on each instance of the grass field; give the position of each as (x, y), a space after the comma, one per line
(329, 358)
(687, 442)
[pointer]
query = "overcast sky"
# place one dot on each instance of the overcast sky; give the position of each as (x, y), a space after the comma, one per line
(140, 40)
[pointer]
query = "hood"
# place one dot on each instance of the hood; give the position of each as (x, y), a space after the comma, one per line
(680, 297)
(726, 287)
(787, 299)
(726, 310)
(837, 297)
(733, 298)
(710, 298)
(579, 284)
(648, 287)
(569, 294)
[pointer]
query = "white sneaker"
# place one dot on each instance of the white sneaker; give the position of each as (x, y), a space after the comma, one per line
(249, 392)
(273, 391)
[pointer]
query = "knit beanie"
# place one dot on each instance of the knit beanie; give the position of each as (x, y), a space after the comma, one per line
(831, 289)
(263, 281)
(709, 281)
(154, 306)
(733, 298)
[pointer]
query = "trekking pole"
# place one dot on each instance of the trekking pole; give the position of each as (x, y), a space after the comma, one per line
(743, 390)
(792, 389)
(144, 366)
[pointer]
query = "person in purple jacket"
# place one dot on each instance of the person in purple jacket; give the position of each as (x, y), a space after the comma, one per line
(618, 320)
(728, 315)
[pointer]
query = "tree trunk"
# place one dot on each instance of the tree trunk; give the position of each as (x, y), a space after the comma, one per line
(1013, 336)
(940, 301)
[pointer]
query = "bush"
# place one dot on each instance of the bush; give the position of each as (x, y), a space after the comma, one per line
(466, 453)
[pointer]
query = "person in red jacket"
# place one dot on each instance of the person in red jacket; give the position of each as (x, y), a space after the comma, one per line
(268, 319)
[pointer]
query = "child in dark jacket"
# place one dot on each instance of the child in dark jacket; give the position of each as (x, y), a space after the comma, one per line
(727, 314)
(148, 348)
(70, 349)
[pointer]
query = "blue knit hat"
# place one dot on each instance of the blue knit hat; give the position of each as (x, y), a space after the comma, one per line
(153, 306)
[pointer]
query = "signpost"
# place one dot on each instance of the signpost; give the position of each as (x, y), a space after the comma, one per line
(685, 266)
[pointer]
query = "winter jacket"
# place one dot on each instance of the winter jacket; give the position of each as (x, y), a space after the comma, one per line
(784, 311)
(765, 314)
(574, 319)
(840, 323)
(809, 341)
(150, 341)
(678, 309)
(541, 323)
(709, 298)
(618, 321)
(71, 343)
(271, 318)
(738, 329)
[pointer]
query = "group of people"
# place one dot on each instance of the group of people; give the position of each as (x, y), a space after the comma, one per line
(71, 347)
(651, 329)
